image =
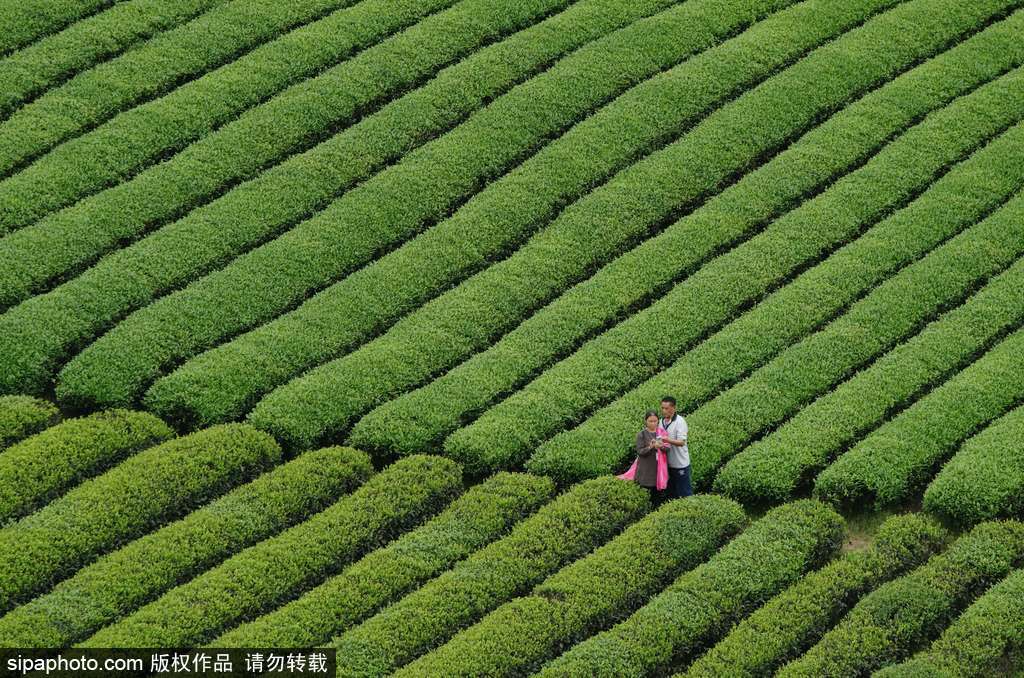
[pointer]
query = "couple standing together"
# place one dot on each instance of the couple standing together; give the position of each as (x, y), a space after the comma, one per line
(661, 440)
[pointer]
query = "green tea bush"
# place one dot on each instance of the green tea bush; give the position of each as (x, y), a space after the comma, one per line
(29, 20)
(42, 467)
(484, 228)
(985, 478)
(702, 604)
(93, 123)
(588, 595)
(896, 461)
(382, 211)
(895, 619)
(785, 626)
(561, 532)
(45, 64)
(484, 513)
(149, 489)
(265, 575)
(979, 643)
(248, 141)
(137, 573)
(281, 197)
(775, 467)
(21, 416)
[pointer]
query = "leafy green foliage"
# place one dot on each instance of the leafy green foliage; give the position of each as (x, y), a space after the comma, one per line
(162, 196)
(29, 20)
(120, 582)
(865, 198)
(795, 619)
(979, 642)
(562, 531)
(772, 469)
(895, 619)
(140, 494)
(268, 574)
(51, 325)
(21, 416)
(847, 138)
(85, 43)
(702, 604)
(325, 401)
(898, 459)
(985, 478)
(211, 387)
(484, 513)
(587, 595)
(122, 145)
(40, 468)
(387, 208)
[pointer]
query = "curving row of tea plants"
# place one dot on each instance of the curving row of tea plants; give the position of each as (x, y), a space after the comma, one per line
(327, 323)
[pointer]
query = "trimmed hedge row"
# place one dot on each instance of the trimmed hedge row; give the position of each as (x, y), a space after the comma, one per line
(141, 493)
(702, 604)
(52, 60)
(380, 213)
(985, 478)
(65, 242)
(324, 402)
(891, 313)
(290, 192)
(263, 576)
(439, 408)
(28, 20)
(228, 114)
(897, 617)
(898, 459)
(589, 594)
(979, 642)
(122, 581)
(38, 469)
(484, 228)
(562, 531)
(21, 416)
(78, 123)
(484, 513)
(849, 208)
(804, 445)
(795, 619)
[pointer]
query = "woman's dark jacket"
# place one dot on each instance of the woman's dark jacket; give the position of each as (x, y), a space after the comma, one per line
(647, 460)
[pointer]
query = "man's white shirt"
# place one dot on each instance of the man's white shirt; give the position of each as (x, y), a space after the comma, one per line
(678, 455)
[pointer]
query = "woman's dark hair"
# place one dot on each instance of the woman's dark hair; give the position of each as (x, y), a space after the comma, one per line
(649, 414)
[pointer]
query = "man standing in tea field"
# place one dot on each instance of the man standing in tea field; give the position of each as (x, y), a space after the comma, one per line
(679, 484)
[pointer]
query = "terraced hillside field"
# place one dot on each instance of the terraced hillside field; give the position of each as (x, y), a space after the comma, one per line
(328, 324)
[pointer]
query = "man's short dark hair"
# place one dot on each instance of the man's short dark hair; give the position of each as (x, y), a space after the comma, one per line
(669, 399)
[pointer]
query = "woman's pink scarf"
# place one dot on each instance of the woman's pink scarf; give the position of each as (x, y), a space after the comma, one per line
(662, 479)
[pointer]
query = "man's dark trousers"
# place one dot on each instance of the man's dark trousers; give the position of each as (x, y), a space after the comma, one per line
(679, 482)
